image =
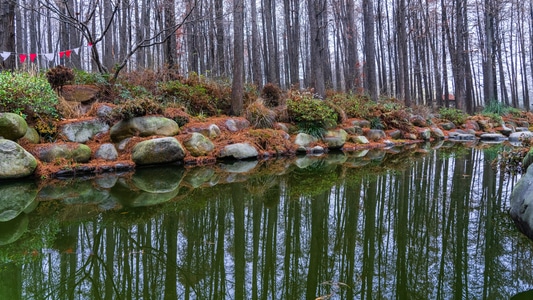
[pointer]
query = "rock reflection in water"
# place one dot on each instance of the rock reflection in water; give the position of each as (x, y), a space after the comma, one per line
(429, 224)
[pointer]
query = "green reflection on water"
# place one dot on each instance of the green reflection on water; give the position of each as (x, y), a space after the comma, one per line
(425, 224)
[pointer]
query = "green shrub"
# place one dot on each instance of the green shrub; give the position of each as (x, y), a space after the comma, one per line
(27, 95)
(312, 116)
(355, 106)
(82, 77)
(454, 115)
(198, 95)
(135, 108)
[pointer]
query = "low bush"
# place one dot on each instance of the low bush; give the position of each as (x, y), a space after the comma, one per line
(198, 95)
(259, 115)
(312, 116)
(454, 115)
(30, 96)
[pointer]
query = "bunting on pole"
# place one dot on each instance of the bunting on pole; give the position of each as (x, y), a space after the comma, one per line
(22, 57)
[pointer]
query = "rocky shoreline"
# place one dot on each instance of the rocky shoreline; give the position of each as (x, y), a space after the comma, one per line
(90, 145)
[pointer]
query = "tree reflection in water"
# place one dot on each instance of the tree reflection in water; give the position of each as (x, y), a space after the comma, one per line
(422, 226)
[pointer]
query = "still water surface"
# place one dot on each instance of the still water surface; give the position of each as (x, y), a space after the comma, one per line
(424, 223)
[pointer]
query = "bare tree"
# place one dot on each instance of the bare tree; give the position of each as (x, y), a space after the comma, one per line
(370, 48)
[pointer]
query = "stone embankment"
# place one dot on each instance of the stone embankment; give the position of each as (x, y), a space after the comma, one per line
(91, 145)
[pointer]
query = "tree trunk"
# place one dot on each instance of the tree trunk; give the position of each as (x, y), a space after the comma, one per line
(237, 88)
(169, 51)
(257, 78)
(370, 49)
(405, 87)
(7, 33)
(315, 9)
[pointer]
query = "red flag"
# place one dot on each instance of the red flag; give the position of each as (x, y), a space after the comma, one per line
(68, 52)
(61, 54)
(32, 57)
(90, 44)
(22, 57)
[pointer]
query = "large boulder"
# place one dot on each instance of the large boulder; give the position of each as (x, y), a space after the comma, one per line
(304, 141)
(375, 134)
(211, 131)
(12, 126)
(335, 139)
(15, 197)
(82, 131)
(32, 136)
(522, 203)
(237, 124)
(198, 145)
(143, 126)
(70, 151)
(15, 162)
(106, 151)
(519, 136)
(157, 151)
(239, 151)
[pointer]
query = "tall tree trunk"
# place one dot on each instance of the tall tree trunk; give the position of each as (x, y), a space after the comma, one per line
(7, 33)
(351, 73)
(272, 61)
(257, 78)
(292, 24)
(489, 63)
(237, 88)
(404, 83)
(315, 9)
(219, 23)
(370, 49)
(169, 51)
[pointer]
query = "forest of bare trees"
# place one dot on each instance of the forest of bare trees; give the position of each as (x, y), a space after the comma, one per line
(422, 52)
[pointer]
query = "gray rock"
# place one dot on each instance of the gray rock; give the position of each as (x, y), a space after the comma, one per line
(211, 131)
(518, 136)
(354, 130)
(106, 152)
(521, 129)
(447, 125)
(418, 121)
(198, 145)
(157, 151)
(103, 111)
(15, 162)
(32, 136)
(239, 151)
(82, 131)
(143, 126)
(237, 124)
(492, 137)
(461, 136)
(437, 133)
(395, 134)
(361, 123)
(522, 203)
(375, 135)
(359, 139)
(335, 139)
(304, 140)
(12, 126)
(70, 151)
(15, 197)
(424, 134)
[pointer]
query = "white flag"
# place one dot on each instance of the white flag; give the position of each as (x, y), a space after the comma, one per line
(5, 55)
(50, 56)
(76, 50)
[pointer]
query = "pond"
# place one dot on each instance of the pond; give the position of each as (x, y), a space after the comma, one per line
(429, 222)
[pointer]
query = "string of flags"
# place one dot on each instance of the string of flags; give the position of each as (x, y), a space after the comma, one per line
(49, 56)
